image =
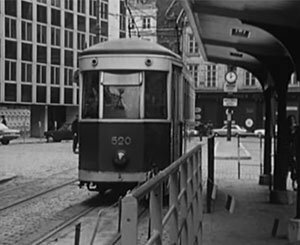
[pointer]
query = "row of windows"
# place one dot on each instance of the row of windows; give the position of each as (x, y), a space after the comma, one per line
(41, 73)
(26, 33)
(211, 76)
(10, 94)
(26, 8)
(26, 53)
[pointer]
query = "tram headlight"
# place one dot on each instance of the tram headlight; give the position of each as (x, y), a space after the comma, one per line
(120, 158)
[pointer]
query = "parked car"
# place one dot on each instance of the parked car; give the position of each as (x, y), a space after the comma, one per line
(259, 132)
(235, 130)
(63, 133)
(192, 132)
(7, 134)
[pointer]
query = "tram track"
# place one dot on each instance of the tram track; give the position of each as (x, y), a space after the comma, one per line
(36, 195)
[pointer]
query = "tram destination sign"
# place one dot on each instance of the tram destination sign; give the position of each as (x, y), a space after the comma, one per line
(230, 102)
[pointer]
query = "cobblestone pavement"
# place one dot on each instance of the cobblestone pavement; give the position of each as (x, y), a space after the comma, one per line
(37, 163)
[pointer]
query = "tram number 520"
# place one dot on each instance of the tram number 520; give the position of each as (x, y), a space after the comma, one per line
(120, 140)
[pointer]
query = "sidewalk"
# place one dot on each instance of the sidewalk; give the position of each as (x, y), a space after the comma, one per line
(252, 220)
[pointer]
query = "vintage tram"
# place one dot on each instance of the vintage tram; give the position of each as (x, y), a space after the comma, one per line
(136, 102)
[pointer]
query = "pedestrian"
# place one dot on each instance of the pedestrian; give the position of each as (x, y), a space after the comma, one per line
(75, 133)
(3, 120)
(291, 122)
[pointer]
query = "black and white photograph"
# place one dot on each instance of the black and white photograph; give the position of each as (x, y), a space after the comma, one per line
(149, 122)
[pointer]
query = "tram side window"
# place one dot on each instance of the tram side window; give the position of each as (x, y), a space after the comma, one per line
(156, 95)
(121, 95)
(90, 99)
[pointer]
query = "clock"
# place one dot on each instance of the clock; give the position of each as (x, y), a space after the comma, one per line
(230, 77)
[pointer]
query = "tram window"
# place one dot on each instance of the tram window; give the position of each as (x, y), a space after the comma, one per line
(121, 95)
(156, 95)
(90, 99)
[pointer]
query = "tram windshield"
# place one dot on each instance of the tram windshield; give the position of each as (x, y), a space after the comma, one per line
(90, 96)
(121, 95)
(155, 95)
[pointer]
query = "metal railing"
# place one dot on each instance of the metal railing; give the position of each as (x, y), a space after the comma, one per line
(183, 216)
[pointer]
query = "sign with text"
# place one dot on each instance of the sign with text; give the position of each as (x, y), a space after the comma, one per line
(230, 102)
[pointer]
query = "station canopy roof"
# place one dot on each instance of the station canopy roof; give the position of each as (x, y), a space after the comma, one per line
(258, 35)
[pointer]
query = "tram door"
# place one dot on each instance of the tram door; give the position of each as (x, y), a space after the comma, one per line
(176, 126)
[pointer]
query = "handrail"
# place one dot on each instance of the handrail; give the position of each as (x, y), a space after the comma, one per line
(184, 214)
(163, 175)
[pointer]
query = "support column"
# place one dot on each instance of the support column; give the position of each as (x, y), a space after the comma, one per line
(266, 177)
(280, 194)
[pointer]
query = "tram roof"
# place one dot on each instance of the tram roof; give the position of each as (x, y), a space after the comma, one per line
(129, 46)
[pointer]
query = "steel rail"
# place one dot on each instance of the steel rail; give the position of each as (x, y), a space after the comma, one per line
(26, 199)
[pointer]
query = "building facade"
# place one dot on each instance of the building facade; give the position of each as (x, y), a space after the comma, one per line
(40, 43)
(215, 94)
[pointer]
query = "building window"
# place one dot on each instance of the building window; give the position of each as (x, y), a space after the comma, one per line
(11, 7)
(68, 39)
(10, 70)
(42, 1)
(55, 3)
(11, 49)
(55, 76)
(41, 74)
(69, 58)
(194, 70)
(26, 10)
(146, 23)
(122, 16)
(104, 29)
(104, 10)
(55, 17)
(68, 77)
(94, 27)
(193, 45)
(69, 4)
(26, 93)
(55, 56)
(55, 36)
(93, 7)
(41, 33)
(41, 54)
(10, 92)
(41, 14)
(26, 73)
(69, 20)
(27, 51)
(10, 28)
(80, 41)
(26, 31)
(81, 23)
(211, 76)
(93, 40)
(250, 79)
(81, 6)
